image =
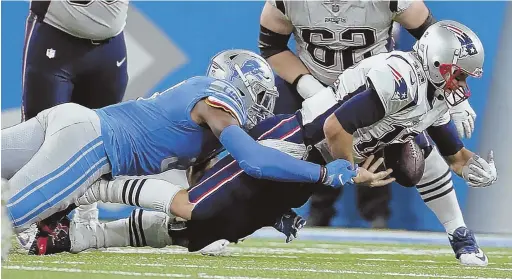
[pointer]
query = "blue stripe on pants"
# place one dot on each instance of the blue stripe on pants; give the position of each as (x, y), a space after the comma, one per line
(58, 185)
(24, 191)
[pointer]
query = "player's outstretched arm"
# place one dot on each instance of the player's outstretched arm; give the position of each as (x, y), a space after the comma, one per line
(264, 162)
(362, 110)
(474, 169)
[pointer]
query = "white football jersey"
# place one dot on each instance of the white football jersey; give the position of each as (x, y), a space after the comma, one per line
(401, 83)
(333, 35)
(94, 19)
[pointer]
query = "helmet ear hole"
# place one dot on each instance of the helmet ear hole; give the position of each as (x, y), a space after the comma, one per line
(436, 64)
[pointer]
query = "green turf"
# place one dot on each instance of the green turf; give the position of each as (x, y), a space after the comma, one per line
(262, 259)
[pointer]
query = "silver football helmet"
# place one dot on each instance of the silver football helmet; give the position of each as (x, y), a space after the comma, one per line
(450, 52)
(252, 76)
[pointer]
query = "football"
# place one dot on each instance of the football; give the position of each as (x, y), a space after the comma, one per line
(407, 162)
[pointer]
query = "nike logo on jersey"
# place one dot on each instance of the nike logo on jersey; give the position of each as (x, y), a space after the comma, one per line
(119, 63)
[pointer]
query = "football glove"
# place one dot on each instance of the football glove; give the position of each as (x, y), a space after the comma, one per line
(480, 173)
(463, 117)
(290, 224)
(338, 173)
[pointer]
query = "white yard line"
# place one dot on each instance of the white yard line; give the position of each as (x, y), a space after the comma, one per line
(204, 275)
(77, 270)
(433, 267)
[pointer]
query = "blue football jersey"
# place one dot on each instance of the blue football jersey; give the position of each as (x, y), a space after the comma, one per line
(155, 134)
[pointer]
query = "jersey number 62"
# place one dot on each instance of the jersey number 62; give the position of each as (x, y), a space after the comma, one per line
(320, 44)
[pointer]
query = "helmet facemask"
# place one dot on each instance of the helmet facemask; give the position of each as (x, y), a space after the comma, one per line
(264, 98)
(454, 92)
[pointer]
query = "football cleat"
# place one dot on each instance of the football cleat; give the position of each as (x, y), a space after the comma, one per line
(290, 224)
(51, 238)
(26, 237)
(217, 248)
(466, 249)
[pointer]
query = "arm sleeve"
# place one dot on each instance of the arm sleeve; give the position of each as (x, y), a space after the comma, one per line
(446, 138)
(263, 162)
(281, 5)
(362, 110)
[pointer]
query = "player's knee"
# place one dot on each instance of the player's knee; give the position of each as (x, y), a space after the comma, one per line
(437, 177)
(181, 206)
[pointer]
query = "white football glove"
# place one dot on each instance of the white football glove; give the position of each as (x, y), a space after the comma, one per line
(480, 173)
(463, 117)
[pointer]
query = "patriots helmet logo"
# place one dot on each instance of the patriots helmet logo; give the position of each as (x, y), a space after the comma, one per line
(251, 67)
(400, 86)
(467, 46)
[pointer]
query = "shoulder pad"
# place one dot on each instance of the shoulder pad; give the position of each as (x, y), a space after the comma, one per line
(395, 82)
(225, 96)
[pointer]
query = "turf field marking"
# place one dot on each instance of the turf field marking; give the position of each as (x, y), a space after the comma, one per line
(433, 267)
(91, 271)
(126, 273)
(397, 260)
(204, 275)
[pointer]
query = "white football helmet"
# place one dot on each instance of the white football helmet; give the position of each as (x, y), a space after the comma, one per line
(450, 52)
(252, 76)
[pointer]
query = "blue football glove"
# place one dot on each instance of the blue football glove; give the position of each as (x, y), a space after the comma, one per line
(338, 173)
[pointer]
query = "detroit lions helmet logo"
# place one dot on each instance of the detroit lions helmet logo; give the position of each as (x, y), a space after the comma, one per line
(467, 46)
(400, 86)
(251, 67)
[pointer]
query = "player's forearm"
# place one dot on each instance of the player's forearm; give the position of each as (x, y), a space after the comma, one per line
(263, 162)
(339, 141)
(459, 160)
(287, 65)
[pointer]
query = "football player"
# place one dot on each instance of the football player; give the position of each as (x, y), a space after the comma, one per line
(54, 158)
(74, 51)
(332, 36)
(406, 94)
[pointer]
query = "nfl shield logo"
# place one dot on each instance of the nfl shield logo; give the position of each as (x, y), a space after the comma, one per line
(335, 7)
(50, 53)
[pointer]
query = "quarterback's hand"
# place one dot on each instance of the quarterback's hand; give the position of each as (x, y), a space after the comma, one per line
(463, 117)
(479, 172)
(338, 172)
(366, 175)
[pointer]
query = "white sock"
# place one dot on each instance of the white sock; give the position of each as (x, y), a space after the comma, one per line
(153, 194)
(436, 190)
(86, 213)
(142, 228)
